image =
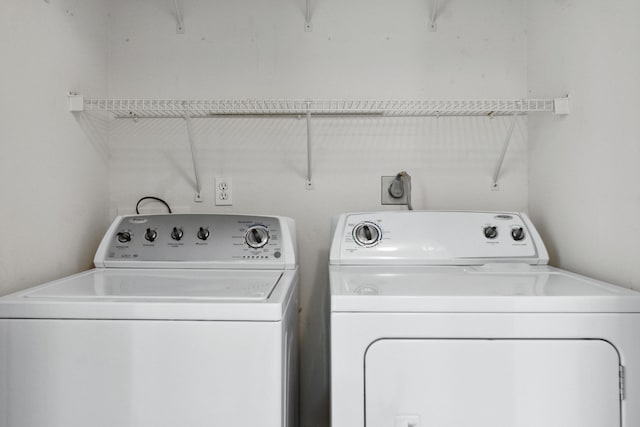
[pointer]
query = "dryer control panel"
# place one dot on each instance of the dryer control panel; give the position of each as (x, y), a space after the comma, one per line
(436, 238)
(198, 241)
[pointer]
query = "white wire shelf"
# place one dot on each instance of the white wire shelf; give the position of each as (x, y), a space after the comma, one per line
(168, 108)
(188, 109)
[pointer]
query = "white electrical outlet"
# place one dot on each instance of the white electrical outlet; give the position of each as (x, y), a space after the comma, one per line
(223, 191)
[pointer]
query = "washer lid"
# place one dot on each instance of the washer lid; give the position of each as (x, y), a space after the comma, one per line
(489, 288)
(156, 294)
(166, 284)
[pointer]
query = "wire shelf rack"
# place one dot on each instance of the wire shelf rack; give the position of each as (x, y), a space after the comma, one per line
(188, 109)
(168, 108)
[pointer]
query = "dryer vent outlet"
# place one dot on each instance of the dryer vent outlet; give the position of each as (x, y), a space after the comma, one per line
(389, 192)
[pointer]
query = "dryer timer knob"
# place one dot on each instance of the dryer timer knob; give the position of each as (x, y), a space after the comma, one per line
(367, 234)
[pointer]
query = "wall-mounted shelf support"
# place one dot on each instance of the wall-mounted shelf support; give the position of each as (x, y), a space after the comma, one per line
(433, 25)
(76, 102)
(309, 183)
(179, 18)
(307, 17)
(194, 157)
(505, 145)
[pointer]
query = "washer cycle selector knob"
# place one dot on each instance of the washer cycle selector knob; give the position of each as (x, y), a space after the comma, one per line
(490, 231)
(151, 235)
(203, 233)
(517, 233)
(256, 236)
(124, 236)
(177, 233)
(367, 234)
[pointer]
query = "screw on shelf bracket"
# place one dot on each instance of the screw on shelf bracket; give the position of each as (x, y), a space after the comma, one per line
(307, 18)
(194, 157)
(496, 171)
(180, 24)
(433, 26)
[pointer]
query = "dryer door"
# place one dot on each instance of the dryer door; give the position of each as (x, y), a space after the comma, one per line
(492, 383)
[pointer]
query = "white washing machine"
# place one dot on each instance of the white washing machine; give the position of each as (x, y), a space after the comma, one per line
(453, 319)
(188, 320)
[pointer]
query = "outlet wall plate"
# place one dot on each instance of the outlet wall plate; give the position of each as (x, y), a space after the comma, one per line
(385, 197)
(224, 194)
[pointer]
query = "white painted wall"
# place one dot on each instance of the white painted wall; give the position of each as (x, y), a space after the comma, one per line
(584, 174)
(358, 49)
(53, 167)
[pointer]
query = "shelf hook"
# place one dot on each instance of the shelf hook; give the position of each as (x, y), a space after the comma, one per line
(180, 25)
(432, 20)
(496, 171)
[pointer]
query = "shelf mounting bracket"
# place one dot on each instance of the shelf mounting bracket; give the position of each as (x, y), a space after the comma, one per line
(179, 18)
(307, 17)
(309, 183)
(433, 26)
(505, 145)
(194, 157)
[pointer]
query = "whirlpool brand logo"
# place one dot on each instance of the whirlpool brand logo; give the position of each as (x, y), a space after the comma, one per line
(138, 220)
(503, 217)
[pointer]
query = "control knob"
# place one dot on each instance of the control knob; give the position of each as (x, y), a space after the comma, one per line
(517, 233)
(177, 233)
(256, 236)
(151, 235)
(491, 232)
(367, 234)
(124, 236)
(203, 233)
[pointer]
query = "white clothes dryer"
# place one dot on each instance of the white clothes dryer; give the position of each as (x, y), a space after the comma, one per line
(453, 319)
(187, 320)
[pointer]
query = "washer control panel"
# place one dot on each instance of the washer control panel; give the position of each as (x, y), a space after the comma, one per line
(199, 238)
(436, 238)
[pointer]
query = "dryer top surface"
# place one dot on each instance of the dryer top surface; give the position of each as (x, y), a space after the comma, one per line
(488, 288)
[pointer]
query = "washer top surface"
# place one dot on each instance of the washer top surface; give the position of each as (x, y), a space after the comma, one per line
(153, 285)
(157, 294)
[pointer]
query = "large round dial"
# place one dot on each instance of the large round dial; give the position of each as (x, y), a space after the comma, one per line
(490, 231)
(367, 234)
(256, 236)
